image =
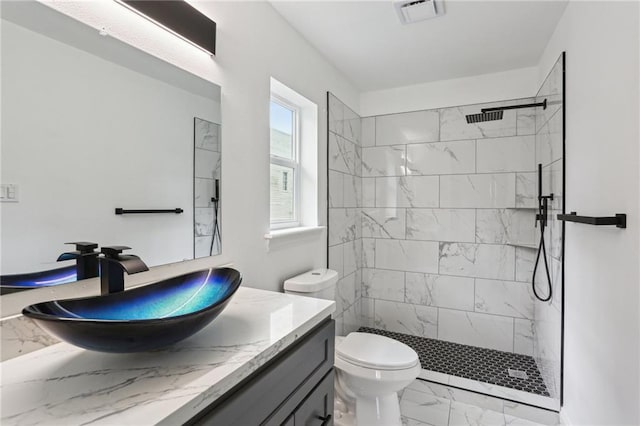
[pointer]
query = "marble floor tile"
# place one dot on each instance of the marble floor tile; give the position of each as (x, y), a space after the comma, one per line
(470, 415)
(425, 408)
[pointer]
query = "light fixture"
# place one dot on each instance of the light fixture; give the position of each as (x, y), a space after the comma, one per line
(179, 18)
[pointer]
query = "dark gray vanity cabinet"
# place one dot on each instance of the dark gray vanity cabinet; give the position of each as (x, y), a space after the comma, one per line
(293, 389)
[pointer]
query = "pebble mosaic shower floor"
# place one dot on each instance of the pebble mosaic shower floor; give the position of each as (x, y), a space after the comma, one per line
(471, 362)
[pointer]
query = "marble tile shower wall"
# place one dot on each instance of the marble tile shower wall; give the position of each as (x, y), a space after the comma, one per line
(345, 201)
(448, 224)
(549, 153)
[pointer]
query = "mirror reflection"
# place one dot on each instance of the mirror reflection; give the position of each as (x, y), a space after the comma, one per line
(91, 125)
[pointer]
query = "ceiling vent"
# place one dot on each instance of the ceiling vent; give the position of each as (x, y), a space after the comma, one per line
(411, 11)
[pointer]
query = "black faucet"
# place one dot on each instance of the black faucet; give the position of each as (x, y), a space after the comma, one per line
(86, 259)
(114, 264)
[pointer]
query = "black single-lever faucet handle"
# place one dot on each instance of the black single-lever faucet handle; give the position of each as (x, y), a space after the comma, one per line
(86, 259)
(84, 246)
(113, 266)
(113, 251)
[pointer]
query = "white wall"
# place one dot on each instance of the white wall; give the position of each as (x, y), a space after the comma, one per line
(601, 365)
(254, 44)
(513, 84)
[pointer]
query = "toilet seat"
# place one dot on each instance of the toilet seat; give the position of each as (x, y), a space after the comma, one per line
(371, 351)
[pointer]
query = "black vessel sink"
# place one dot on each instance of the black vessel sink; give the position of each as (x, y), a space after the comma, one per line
(141, 319)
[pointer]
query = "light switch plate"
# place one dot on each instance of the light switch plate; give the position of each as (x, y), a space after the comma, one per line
(9, 193)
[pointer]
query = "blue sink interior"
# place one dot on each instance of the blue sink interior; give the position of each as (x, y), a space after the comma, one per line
(175, 297)
(141, 319)
(39, 279)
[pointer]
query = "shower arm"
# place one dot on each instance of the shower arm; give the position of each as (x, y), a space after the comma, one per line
(542, 104)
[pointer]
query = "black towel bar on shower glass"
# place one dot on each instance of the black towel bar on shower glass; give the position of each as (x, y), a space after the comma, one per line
(120, 210)
(619, 220)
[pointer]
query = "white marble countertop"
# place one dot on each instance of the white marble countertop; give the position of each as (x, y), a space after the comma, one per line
(63, 384)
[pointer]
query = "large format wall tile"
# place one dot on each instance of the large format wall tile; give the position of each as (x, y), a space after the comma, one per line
(352, 191)
(336, 115)
(507, 298)
(383, 223)
(336, 259)
(403, 255)
(368, 252)
(442, 158)
(549, 141)
(336, 189)
(368, 126)
(383, 161)
(342, 226)
(502, 226)
(406, 318)
(525, 258)
(368, 192)
(510, 154)
(351, 127)
(477, 260)
(526, 190)
(342, 155)
(478, 191)
(407, 191)
(441, 224)
(454, 126)
(523, 337)
(487, 331)
(411, 127)
(383, 284)
(440, 291)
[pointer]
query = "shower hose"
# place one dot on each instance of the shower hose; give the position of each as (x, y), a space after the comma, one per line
(541, 250)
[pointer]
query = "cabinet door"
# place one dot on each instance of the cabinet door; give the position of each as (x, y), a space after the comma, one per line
(317, 408)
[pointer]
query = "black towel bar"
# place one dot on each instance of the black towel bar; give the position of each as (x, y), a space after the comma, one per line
(120, 210)
(619, 220)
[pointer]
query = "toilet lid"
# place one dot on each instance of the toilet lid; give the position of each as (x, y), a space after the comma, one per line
(373, 351)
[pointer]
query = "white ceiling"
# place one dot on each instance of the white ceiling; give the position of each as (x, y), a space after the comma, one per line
(367, 42)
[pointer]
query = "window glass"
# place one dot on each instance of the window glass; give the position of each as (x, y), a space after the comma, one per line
(282, 194)
(282, 131)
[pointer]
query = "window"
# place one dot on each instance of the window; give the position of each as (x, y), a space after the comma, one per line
(285, 166)
(293, 180)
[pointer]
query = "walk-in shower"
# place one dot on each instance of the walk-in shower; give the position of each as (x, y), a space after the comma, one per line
(437, 219)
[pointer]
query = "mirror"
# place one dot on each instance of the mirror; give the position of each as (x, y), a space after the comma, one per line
(90, 125)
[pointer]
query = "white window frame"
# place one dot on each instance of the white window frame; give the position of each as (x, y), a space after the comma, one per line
(291, 163)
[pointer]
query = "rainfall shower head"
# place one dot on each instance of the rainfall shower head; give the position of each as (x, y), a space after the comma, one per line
(485, 116)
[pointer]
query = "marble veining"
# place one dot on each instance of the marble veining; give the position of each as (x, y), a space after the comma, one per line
(20, 336)
(67, 385)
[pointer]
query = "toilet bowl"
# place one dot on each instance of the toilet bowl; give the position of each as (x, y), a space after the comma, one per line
(370, 371)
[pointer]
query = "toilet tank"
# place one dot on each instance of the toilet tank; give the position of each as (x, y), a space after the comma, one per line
(319, 283)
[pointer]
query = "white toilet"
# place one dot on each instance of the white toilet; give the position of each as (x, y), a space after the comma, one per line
(370, 369)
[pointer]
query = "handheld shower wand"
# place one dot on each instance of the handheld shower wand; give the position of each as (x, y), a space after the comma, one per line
(543, 207)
